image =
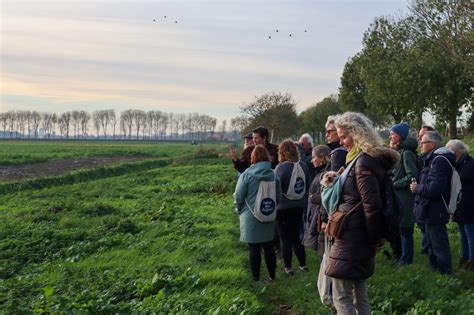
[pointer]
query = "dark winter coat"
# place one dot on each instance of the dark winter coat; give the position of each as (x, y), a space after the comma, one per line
(315, 214)
(434, 183)
(465, 211)
(243, 162)
(402, 177)
(306, 158)
(352, 255)
(283, 171)
(338, 156)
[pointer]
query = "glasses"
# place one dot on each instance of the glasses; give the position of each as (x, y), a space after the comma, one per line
(425, 142)
(330, 130)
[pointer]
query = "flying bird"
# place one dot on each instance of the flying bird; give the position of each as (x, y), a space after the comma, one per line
(305, 31)
(165, 16)
(277, 31)
(290, 35)
(175, 22)
(154, 20)
(269, 37)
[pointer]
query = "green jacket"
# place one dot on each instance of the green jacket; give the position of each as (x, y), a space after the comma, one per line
(402, 177)
(252, 230)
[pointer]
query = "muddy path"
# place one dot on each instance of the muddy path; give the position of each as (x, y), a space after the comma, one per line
(54, 168)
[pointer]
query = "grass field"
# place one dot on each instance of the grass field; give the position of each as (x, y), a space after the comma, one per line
(161, 236)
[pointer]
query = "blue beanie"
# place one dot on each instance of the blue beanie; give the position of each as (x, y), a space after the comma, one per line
(402, 129)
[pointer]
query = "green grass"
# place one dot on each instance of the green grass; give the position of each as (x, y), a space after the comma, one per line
(15, 152)
(143, 238)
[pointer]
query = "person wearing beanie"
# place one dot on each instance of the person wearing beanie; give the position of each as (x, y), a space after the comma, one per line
(401, 129)
(402, 175)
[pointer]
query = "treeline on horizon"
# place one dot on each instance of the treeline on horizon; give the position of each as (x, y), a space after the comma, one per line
(130, 124)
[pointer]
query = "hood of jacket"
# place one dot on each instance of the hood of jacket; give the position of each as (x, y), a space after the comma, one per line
(388, 157)
(449, 154)
(410, 144)
(260, 170)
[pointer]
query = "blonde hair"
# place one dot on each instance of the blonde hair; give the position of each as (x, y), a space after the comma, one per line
(361, 129)
(287, 151)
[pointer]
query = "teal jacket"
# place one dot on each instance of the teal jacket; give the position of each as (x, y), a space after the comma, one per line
(252, 230)
(402, 175)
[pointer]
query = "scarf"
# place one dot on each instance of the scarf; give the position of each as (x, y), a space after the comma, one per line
(352, 154)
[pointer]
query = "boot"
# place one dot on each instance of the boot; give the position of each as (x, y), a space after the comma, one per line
(470, 265)
(463, 262)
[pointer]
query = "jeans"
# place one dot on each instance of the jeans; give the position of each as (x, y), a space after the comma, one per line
(406, 234)
(466, 232)
(424, 243)
(289, 222)
(256, 259)
(439, 252)
(350, 297)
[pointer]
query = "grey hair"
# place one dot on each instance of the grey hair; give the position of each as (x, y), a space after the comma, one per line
(331, 120)
(433, 136)
(308, 137)
(457, 146)
(321, 150)
(361, 129)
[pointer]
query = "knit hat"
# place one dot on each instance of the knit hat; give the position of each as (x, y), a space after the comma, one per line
(248, 136)
(402, 129)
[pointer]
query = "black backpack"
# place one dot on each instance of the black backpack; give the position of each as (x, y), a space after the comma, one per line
(391, 216)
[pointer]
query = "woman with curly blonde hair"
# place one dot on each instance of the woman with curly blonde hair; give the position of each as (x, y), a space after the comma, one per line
(290, 208)
(351, 259)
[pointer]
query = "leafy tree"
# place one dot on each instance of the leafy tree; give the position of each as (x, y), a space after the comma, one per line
(275, 111)
(391, 71)
(443, 30)
(313, 119)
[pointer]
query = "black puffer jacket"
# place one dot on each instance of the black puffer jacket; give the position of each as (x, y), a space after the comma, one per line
(352, 255)
(465, 211)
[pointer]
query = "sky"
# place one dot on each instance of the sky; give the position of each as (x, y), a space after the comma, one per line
(62, 55)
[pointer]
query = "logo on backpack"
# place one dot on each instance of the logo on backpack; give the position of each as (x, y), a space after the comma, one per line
(455, 192)
(267, 206)
(264, 209)
(297, 186)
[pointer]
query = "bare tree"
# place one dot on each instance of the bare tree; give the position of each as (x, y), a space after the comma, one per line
(54, 122)
(20, 123)
(76, 120)
(164, 124)
(105, 117)
(156, 122)
(4, 120)
(223, 128)
(113, 121)
(126, 119)
(35, 118)
(47, 121)
(138, 117)
(11, 121)
(85, 117)
(65, 123)
(96, 120)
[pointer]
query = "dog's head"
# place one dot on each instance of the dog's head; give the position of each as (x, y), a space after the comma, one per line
(329, 178)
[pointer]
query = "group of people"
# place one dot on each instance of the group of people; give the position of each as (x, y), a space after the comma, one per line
(422, 183)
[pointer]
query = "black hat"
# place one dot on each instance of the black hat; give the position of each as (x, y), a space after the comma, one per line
(248, 136)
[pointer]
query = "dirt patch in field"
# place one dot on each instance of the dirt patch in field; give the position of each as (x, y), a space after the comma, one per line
(53, 168)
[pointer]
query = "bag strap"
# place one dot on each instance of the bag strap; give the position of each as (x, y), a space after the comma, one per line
(453, 169)
(348, 169)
